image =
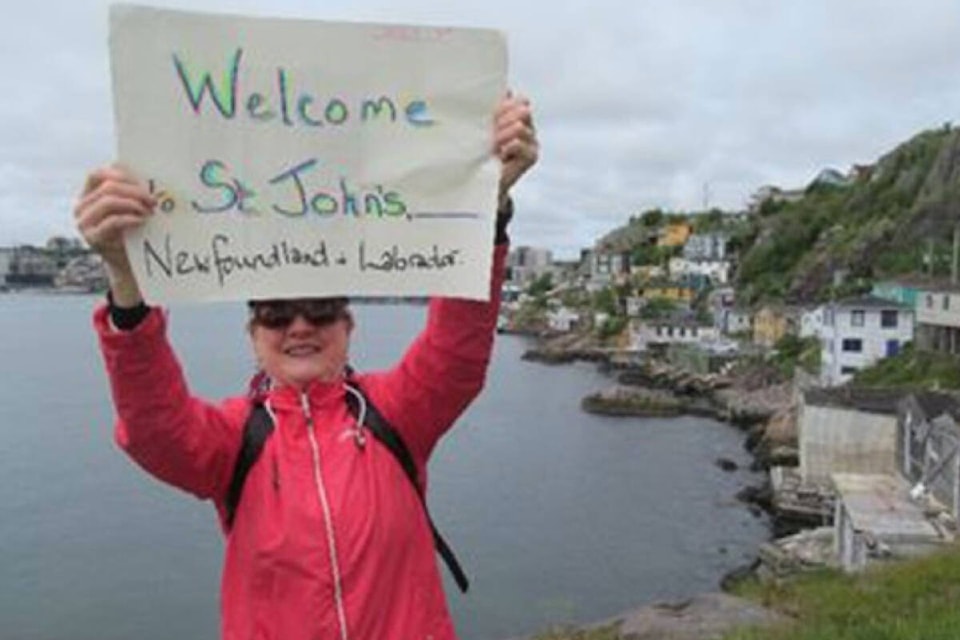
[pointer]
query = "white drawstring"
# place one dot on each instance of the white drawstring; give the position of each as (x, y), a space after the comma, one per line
(327, 518)
(359, 436)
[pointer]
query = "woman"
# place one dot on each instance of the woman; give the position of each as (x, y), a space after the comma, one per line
(329, 538)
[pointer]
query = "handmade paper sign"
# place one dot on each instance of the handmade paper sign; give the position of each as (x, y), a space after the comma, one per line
(303, 158)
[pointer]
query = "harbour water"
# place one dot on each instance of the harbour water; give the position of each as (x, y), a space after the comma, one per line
(558, 516)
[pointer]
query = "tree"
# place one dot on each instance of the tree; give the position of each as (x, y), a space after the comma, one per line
(658, 308)
(606, 300)
(652, 217)
(541, 286)
(712, 220)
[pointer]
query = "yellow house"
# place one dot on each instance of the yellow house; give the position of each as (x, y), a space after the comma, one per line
(771, 323)
(670, 291)
(675, 234)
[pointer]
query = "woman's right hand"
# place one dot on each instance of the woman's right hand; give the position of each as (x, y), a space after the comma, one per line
(113, 201)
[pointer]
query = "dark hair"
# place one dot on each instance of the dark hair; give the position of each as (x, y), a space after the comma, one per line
(340, 301)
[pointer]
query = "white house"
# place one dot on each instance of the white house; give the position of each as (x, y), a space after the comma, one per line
(562, 319)
(634, 305)
(28, 266)
(706, 247)
(607, 267)
(774, 193)
(718, 271)
(736, 320)
(6, 259)
(649, 332)
(526, 264)
(859, 331)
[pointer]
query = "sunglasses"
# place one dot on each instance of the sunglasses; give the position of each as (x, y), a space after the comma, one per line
(280, 314)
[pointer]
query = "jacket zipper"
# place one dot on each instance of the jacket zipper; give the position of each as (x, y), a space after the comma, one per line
(327, 518)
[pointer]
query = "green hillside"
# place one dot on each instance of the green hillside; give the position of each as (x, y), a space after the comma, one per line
(882, 225)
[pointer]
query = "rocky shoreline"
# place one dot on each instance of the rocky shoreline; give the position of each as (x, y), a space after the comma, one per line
(707, 616)
(752, 399)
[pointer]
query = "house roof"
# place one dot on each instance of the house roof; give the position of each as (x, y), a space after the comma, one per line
(870, 302)
(916, 281)
(940, 287)
(779, 308)
(936, 403)
(879, 505)
(880, 400)
(687, 323)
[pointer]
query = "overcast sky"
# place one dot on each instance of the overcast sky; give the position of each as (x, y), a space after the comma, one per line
(639, 103)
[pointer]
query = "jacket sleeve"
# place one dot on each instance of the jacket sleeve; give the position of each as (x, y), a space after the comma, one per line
(443, 370)
(180, 439)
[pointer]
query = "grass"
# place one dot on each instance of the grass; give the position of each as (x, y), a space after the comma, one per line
(603, 633)
(907, 600)
(911, 600)
(913, 368)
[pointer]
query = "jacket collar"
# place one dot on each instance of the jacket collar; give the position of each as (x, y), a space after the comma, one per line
(318, 392)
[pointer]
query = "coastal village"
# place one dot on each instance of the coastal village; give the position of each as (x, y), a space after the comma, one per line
(62, 265)
(824, 320)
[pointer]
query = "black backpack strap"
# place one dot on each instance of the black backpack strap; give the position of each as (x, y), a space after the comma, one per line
(391, 439)
(256, 429)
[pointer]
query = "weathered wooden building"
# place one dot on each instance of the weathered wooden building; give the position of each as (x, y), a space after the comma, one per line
(928, 445)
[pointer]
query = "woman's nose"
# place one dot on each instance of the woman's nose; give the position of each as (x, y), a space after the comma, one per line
(299, 324)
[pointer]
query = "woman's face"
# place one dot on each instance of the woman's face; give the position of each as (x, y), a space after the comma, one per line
(302, 351)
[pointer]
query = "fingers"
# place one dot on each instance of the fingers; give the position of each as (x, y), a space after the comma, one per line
(510, 103)
(517, 135)
(113, 173)
(116, 226)
(520, 150)
(513, 113)
(112, 202)
(513, 123)
(515, 139)
(94, 210)
(115, 193)
(111, 199)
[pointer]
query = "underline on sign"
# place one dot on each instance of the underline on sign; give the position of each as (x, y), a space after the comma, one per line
(456, 215)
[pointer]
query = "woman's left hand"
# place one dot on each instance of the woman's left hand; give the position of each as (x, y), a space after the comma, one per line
(515, 141)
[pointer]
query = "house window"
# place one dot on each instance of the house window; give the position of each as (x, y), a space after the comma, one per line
(929, 301)
(893, 348)
(693, 332)
(888, 319)
(856, 318)
(670, 331)
(946, 302)
(659, 331)
(848, 371)
(853, 345)
(683, 332)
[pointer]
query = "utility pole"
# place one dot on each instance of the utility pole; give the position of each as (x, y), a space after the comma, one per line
(956, 253)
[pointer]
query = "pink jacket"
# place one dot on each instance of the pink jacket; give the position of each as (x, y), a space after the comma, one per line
(330, 540)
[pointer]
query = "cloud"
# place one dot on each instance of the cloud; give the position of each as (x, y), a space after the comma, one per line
(639, 105)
